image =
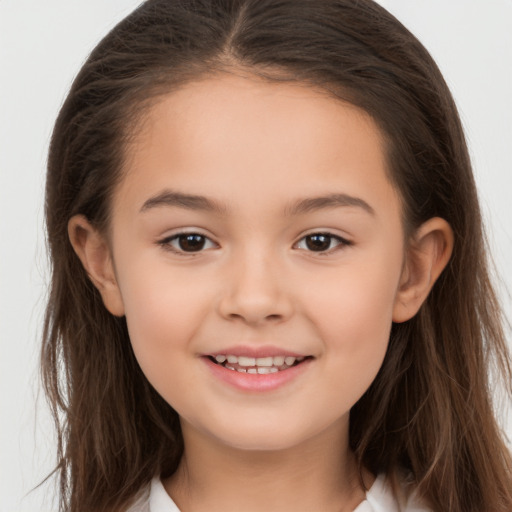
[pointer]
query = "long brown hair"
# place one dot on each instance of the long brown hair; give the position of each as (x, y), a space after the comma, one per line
(429, 413)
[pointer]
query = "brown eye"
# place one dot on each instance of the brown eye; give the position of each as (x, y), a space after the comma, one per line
(191, 243)
(321, 242)
(318, 242)
(187, 242)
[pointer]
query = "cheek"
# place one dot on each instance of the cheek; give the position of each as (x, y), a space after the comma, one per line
(356, 340)
(352, 313)
(356, 300)
(162, 314)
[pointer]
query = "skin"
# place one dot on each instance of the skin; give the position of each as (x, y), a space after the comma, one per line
(255, 150)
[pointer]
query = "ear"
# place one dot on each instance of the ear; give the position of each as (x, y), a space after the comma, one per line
(426, 256)
(94, 253)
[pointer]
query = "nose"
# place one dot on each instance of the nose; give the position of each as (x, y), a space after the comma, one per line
(256, 291)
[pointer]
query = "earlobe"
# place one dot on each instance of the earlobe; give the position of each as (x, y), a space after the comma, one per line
(94, 253)
(425, 259)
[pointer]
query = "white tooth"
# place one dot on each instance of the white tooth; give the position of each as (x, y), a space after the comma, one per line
(264, 369)
(241, 370)
(232, 359)
(299, 359)
(229, 367)
(289, 360)
(273, 369)
(220, 359)
(252, 370)
(264, 361)
(246, 361)
(278, 360)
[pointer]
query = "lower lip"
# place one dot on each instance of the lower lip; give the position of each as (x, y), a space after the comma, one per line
(254, 381)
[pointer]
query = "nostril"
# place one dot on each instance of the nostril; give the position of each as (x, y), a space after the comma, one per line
(254, 301)
(255, 318)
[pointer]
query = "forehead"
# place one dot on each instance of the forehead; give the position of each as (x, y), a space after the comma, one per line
(239, 137)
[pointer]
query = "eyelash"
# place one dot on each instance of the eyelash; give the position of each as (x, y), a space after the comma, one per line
(167, 243)
(340, 242)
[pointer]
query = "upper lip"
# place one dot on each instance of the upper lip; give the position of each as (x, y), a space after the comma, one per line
(259, 351)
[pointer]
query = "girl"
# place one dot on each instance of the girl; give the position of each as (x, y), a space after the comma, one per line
(270, 288)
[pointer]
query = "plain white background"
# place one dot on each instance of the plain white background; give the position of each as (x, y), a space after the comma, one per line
(42, 45)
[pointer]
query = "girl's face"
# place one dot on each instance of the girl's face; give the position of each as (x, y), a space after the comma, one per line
(256, 221)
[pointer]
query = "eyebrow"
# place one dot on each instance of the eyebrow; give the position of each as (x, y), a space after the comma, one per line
(301, 206)
(329, 201)
(188, 201)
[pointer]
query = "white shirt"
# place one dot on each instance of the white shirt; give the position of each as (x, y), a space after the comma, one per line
(379, 498)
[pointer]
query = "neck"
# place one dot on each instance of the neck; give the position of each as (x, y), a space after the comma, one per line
(319, 474)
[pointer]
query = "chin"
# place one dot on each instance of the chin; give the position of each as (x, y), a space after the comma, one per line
(261, 443)
(263, 437)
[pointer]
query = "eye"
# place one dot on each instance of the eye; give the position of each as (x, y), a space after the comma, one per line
(321, 242)
(188, 242)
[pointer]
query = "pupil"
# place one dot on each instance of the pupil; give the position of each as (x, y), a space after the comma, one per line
(191, 243)
(318, 242)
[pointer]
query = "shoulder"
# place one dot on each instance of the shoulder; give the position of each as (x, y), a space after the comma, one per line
(381, 498)
(153, 498)
(141, 501)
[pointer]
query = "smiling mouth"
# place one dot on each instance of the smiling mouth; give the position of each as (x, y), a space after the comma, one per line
(257, 365)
